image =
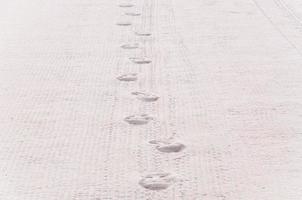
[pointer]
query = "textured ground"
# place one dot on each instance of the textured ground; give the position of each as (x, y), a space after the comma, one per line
(207, 107)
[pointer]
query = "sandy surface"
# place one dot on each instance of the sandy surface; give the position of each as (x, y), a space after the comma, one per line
(151, 100)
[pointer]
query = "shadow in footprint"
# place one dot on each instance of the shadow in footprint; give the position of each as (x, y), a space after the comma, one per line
(132, 14)
(146, 97)
(128, 77)
(126, 5)
(157, 181)
(168, 146)
(140, 61)
(138, 119)
(123, 23)
(143, 34)
(130, 46)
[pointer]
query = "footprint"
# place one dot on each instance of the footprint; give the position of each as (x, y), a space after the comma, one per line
(171, 148)
(143, 34)
(146, 97)
(157, 181)
(126, 5)
(124, 23)
(168, 146)
(132, 14)
(130, 46)
(128, 77)
(140, 60)
(138, 119)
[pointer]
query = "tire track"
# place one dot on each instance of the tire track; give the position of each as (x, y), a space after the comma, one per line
(276, 27)
(288, 10)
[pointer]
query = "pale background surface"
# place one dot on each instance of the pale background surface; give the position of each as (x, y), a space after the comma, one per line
(229, 77)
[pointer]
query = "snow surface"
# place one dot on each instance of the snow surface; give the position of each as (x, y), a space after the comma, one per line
(151, 100)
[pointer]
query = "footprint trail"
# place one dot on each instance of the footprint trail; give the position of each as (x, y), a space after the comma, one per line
(130, 46)
(145, 97)
(128, 77)
(123, 23)
(157, 181)
(133, 14)
(143, 34)
(140, 61)
(126, 5)
(168, 146)
(138, 119)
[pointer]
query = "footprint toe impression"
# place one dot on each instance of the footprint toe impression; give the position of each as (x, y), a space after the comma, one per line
(128, 77)
(138, 119)
(146, 97)
(130, 46)
(126, 5)
(140, 61)
(157, 181)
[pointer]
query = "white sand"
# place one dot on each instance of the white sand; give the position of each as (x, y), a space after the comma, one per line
(227, 124)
